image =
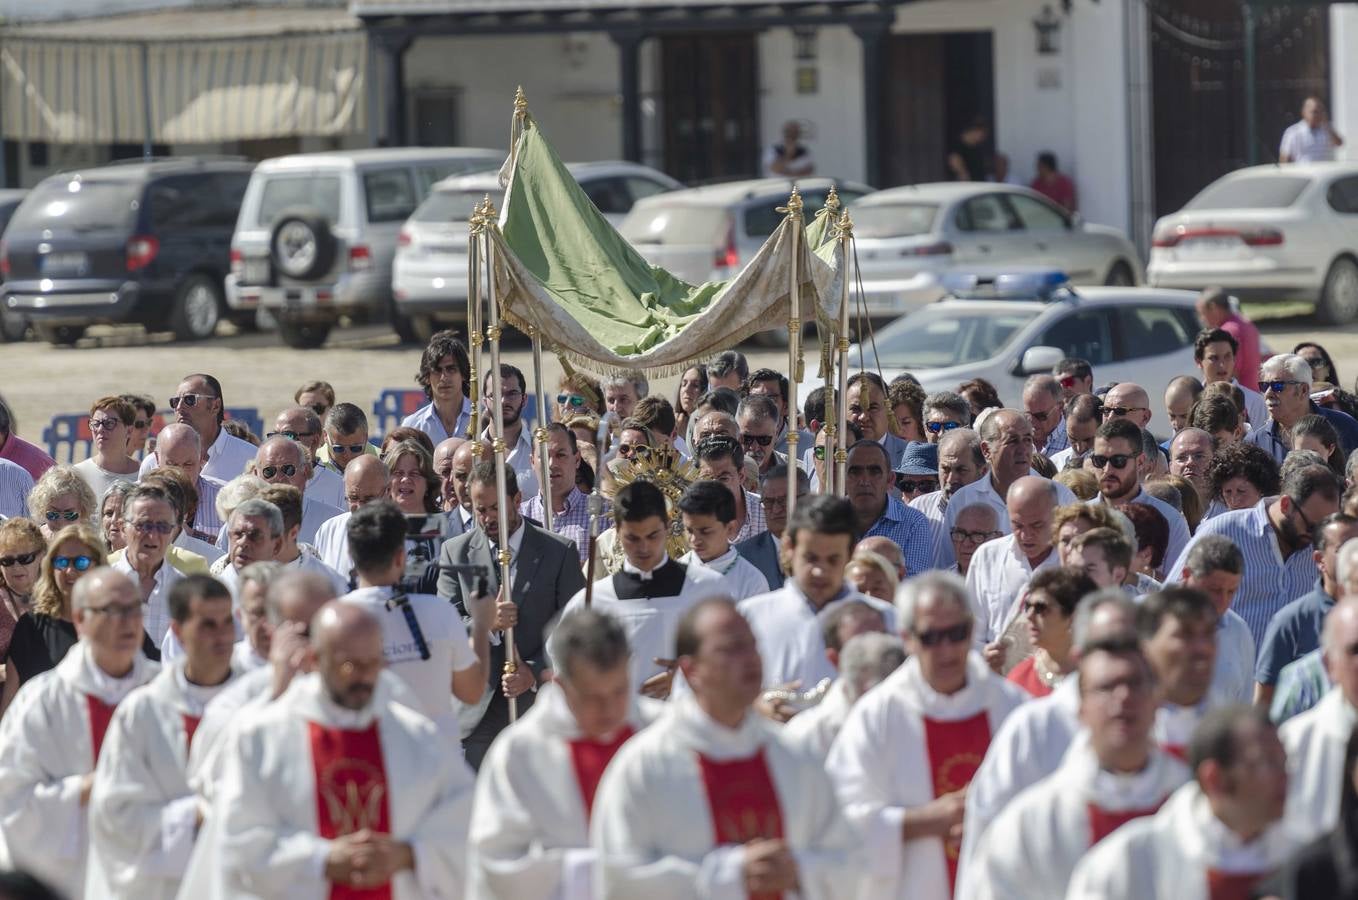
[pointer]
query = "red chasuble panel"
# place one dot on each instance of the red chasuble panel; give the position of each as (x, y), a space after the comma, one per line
(590, 759)
(190, 729)
(1103, 823)
(955, 753)
(1232, 885)
(1178, 751)
(100, 715)
(351, 792)
(743, 801)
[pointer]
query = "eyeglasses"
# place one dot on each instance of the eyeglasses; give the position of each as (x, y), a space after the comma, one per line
(291, 435)
(104, 424)
(1117, 460)
(337, 449)
(936, 427)
(189, 400)
(1121, 411)
(319, 409)
(954, 635)
(288, 471)
(70, 515)
(1314, 362)
(23, 559)
(762, 440)
(120, 611)
(79, 563)
(1036, 608)
(152, 527)
(1276, 387)
(141, 423)
(910, 485)
(963, 536)
(573, 400)
(773, 502)
(1039, 416)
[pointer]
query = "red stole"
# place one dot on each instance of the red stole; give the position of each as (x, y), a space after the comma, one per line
(100, 714)
(1232, 885)
(590, 759)
(351, 792)
(190, 727)
(1178, 751)
(1103, 822)
(955, 752)
(743, 801)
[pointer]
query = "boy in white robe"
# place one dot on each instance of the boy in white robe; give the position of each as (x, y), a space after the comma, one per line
(1178, 628)
(1217, 837)
(904, 758)
(1111, 775)
(651, 592)
(333, 785)
(53, 731)
(711, 800)
(143, 814)
(1317, 740)
(709, 513)
(864, 662)
(536, 787)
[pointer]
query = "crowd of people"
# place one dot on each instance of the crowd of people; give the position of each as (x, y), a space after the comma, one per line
(1082, 647)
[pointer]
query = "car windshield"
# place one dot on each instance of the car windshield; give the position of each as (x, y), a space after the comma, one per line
(893, 220)
(675, 223)
(1263, 192)
(79, 204)
(944, 335)
(453, 205)
(282, 192)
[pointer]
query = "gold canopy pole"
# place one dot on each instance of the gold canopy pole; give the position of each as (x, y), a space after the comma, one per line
(497, 429)
(842, 366)
(831, 425)
(543, 419)
(794, 341)
(474, 337)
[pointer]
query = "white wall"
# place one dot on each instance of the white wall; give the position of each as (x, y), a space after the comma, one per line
(28, 11)
(833, 115)
(1344, 75)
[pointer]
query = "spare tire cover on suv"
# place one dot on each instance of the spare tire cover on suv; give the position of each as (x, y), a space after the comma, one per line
(301, 244)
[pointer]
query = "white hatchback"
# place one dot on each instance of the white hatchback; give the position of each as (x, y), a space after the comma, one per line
(1268, 233)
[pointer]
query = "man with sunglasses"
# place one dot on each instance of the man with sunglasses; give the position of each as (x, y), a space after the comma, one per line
(1214, 353)
(281, 460)
(758, 418)
(1042, 406)
(945, 412)
(1127, 401)
(1076, 377)
(53, 732)
(1275, 537)
(1116, 461)
(198, 403)
(764, 549)
(141, 425)
(905, 756)
(346, 437)
(300, 424)
(1285, 381)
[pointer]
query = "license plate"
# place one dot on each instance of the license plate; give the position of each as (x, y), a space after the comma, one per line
(1209, 247)
(63, 263)
(256, 271)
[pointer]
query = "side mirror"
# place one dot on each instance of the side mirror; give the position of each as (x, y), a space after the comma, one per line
(1038, 360)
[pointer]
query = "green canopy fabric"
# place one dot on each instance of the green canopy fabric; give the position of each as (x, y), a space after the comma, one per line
(559, 266)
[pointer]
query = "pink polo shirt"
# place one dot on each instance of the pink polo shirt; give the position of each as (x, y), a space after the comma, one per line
(1247, 356)
(28, 456)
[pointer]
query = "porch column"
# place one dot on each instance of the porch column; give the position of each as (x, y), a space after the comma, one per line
(872, 35)
(391, 49)
(629, 57)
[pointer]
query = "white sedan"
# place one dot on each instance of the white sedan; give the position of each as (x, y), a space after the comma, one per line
(909, 238)
(1006, 328)
(1268, 233)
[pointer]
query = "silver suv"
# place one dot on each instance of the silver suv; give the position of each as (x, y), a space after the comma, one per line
(317, 233)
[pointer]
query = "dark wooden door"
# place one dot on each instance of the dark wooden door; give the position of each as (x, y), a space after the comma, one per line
(710, 91)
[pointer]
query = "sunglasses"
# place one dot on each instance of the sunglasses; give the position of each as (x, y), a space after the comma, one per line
(640, 450)
(936, 427)
(762, 440)
(1039, 416)
(104, 424)
(910, 486)
(963, 536)
(121, 611)
(1036, 609)
(337, 449)
(319, 409)
(1068, 381)
(954, 635)
(141, 423)
(1118, 460)
(288, 471)
(79, 563)
(189, 400)
(23, 559)
(152, 527)
(69, 515)
(1276, 387)
(572, 400)
(1121, 410)
(290, 435)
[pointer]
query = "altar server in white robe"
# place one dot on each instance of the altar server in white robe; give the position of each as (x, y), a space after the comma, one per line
(1316, 740)
(1178, 628)
(536, 787)
(903, 760)
(651, 592)
(1112, 774)
(864, 662)
(53, 731)
(711, 800)
(143, 814)
(1217, 837)
(333, 788)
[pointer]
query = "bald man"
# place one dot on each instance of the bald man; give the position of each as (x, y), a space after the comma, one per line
(464, 460)
(443, 468)
(304, 426)
(888, 549)
(337, 780)
(365, 480)
(179, 447)
(1127, 401)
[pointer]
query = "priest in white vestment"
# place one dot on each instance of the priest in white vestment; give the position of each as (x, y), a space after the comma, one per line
(333, 788)
(1217, 837)
(53, 731)
(143, 814)
(864, 662)
(1317, 740)
(537, 784)
(1178, 627)
(711, 800)
(904, 758)
(1112, 774)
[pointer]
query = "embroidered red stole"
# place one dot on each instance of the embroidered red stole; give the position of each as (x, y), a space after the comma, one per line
(1102, 822)
(955, 752)
(190, 728)
(590, 759)
(100, 714)
(743, 801)
(351, 792)
(1232, 885)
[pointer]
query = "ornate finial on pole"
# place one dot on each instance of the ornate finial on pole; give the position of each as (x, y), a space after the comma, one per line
(489, 211)
(477, 222)
(845, 224)
(794, 205)
(832, 201)
(520, 103)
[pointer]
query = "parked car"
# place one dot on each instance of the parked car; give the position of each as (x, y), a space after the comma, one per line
(13, 326)
(429, 275)
(142, 241)
(1268, 233)
(317, 233)
(1006, 325)
(710, 233)
(909, 238)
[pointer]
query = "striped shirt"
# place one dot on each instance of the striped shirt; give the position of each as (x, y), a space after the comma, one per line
(15, 483)
(1301, 684)
(571, 522)
(156, 611)
(207, 522)
(910, 530)
(934, 505)
(1057, 441)
(1178, 525)
(755, 523)
(1268, 582)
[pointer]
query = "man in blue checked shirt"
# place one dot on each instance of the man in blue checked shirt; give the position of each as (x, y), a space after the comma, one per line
(876, 512)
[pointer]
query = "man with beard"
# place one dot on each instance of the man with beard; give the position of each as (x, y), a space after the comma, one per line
(1116, 461)
(570, 512)
(513, 399)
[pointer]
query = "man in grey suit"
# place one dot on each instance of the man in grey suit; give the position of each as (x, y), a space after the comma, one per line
(545, 571)
(762, 549)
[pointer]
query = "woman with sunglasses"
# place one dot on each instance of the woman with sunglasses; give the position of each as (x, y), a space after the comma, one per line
(1323, 371)
(61, 498)
(111, 420)
(21, 551)
(692, 386)
(1049, 608)
(577, 394)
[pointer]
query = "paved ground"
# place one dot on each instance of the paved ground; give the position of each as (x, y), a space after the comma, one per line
(257, 370)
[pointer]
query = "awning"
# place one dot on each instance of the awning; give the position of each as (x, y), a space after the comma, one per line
(207, 76)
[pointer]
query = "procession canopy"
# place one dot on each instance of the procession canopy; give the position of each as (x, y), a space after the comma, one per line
(560, 267)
